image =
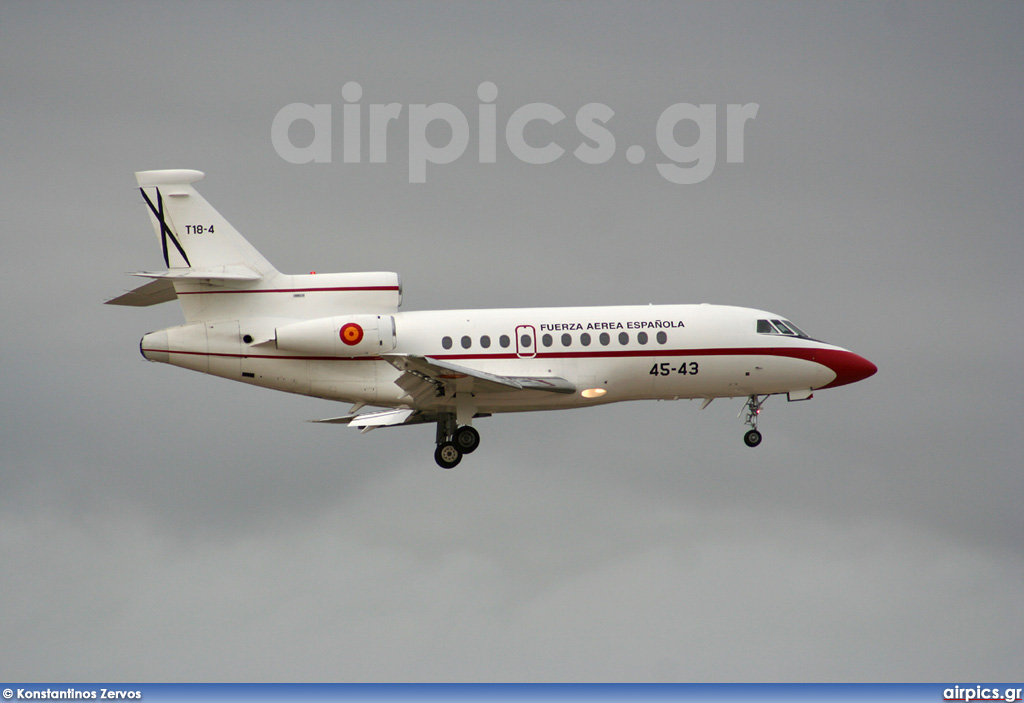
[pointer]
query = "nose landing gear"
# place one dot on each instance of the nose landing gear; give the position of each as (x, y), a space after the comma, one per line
(753, 407)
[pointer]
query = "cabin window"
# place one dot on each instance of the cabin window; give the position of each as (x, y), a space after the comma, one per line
(585, 339)
(623, 338)
(662, 337)
(605, 339)
(467, 342)
(525, 341)
(504, 341)
(446, 342)
(566, 339)
(641, 337)
(546, 340)
(485, 342)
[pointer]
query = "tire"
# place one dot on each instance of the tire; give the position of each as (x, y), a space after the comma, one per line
(467, 439)
(447, 455)
(752, 438)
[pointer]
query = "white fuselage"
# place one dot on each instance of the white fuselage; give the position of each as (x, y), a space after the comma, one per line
(608, 354)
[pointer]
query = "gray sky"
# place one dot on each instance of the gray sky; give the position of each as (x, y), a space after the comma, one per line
(157, 524)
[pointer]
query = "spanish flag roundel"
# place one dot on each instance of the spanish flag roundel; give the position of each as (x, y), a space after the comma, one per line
(351, 334)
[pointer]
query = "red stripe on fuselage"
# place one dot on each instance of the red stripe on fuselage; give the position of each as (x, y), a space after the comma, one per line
(275, 357)
(795, 353)
(292, 290)
(825, 357)
(847, 366)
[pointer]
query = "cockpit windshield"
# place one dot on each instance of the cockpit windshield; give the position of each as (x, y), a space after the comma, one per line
(799, 332)
(782, 327)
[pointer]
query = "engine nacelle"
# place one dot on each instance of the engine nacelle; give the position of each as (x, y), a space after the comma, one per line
(344, 335)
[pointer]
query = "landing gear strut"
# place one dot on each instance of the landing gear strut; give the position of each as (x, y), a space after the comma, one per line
(453, 442)
(753, 438)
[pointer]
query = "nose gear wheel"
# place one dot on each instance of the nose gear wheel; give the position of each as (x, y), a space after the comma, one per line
(753, 407)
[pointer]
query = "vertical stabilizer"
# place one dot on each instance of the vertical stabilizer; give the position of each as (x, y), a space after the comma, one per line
(216, 275)
(194, 237)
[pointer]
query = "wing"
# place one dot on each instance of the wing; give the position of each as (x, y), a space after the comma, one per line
(425, 378)
(385, 418)
(380, 418)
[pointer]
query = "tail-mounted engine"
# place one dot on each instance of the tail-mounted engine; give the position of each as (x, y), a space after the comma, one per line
(344, 335)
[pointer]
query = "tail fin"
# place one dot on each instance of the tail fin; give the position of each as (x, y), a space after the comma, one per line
(217, 275)
(197, 241)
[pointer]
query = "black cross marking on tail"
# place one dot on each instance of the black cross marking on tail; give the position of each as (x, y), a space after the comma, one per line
(165, 231)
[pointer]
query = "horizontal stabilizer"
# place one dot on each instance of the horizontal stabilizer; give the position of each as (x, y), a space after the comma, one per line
(161, 290)
(152, 293)
(169, 177)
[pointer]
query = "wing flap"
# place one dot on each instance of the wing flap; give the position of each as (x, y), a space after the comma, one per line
(551, 384)
(424, 375)
(420, 388)
(391, 417)
(382, 418)
(379, 418)
(343, 420)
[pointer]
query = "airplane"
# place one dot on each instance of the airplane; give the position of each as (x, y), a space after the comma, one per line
(341, 336)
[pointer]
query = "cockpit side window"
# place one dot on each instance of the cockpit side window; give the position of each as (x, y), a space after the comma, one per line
(764, 327)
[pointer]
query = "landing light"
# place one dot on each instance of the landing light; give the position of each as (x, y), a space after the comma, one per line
(593, 392)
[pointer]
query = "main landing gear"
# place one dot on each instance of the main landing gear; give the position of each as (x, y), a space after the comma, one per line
(753, 407)
(453, 442)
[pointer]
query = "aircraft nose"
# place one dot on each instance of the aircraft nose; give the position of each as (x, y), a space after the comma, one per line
(847, 366)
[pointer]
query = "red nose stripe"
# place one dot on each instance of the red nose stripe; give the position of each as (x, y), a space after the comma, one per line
(847, 366)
